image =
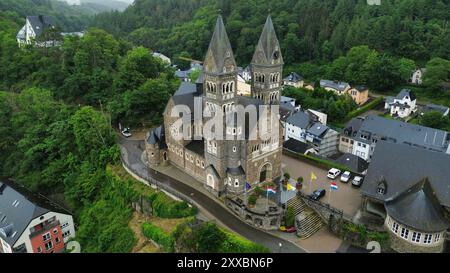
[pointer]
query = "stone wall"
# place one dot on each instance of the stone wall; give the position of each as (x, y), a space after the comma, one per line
(268, 221)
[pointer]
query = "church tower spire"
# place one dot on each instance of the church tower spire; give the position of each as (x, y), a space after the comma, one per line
(267, 66)
(220, 97)
(219, 58)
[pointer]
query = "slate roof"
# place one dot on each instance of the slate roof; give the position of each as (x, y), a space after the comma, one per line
(293, 77)
(402, 166)
(185, 95)
(406, 92)
(296, 146)
(40, 22)
(216, 56)
(158, 136)
(360, 88)
(419, 208)
(434, 107)
(402, 132)
(286, 110)
(197, 146)
(18, 207)
(354, 163)
(299, 119)
(268, 43)
(236, 171)
(317, 129)
(340, 86)
(286, 99)
(353, 126)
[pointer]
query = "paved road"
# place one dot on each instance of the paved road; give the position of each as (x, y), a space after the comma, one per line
(134, 151)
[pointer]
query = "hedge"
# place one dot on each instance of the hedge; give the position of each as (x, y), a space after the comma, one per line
(165, 207)
(365, 108)
(236, 244)
(159, 236)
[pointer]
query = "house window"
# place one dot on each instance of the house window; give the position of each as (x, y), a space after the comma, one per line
(57, 240)
(395, 227)
(46, 237)
(39, 250)
(203, 164)
(427, 239)
(55, 231)
(48, 246)
(416, 237)
(234, 149)
(66, 234)
(380, 190)
(404, 233)
(236, 183)
(437, 237)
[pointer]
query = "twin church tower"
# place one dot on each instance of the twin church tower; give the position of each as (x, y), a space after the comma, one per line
(225, 165)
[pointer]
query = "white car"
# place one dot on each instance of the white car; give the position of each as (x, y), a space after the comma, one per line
(345, 177)
(126, 132)
(357, 181)
(333, 173)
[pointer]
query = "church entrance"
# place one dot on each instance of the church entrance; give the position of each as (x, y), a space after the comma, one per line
(265, 174)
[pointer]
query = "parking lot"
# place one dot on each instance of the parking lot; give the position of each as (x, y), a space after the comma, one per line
(347, 198)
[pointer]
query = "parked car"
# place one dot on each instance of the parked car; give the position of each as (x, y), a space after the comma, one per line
(317, 194)
(333, 173)
(357, 181)
(345, 177)
(126, 132)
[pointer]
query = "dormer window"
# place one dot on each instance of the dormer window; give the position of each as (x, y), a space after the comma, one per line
(381, 189)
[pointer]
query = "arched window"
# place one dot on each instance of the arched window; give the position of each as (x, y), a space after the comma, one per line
(210, 181)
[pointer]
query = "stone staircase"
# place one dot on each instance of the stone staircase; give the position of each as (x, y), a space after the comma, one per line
(307, 222)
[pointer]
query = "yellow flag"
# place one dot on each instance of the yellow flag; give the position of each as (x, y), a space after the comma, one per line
(289, 187)
(313, 176)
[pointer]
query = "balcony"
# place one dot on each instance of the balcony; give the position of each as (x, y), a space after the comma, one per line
(45, 228)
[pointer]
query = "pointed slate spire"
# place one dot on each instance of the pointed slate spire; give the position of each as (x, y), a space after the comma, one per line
(219, 58)
(268, 51)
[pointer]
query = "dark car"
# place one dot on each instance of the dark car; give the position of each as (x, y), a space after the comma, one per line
(317, 194)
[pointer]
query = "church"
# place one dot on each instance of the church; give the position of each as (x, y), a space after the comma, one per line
(225, 162)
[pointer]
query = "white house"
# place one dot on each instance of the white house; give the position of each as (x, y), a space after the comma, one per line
(403, 105)
(417, 75)
(163, 57)
(364, 134)
(305, 127)
(34, 27)
(294, 80)
(243, 88)
(245, 73)
(337, 87)
(321, 117)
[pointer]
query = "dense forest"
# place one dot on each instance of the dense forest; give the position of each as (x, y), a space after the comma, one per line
(67, 17)
(309, 30)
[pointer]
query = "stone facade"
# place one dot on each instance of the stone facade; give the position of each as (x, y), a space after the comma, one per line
(267, 221)
(225, 164)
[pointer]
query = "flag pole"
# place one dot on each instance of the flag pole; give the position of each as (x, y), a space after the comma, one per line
(329, 196)
(310, 185)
